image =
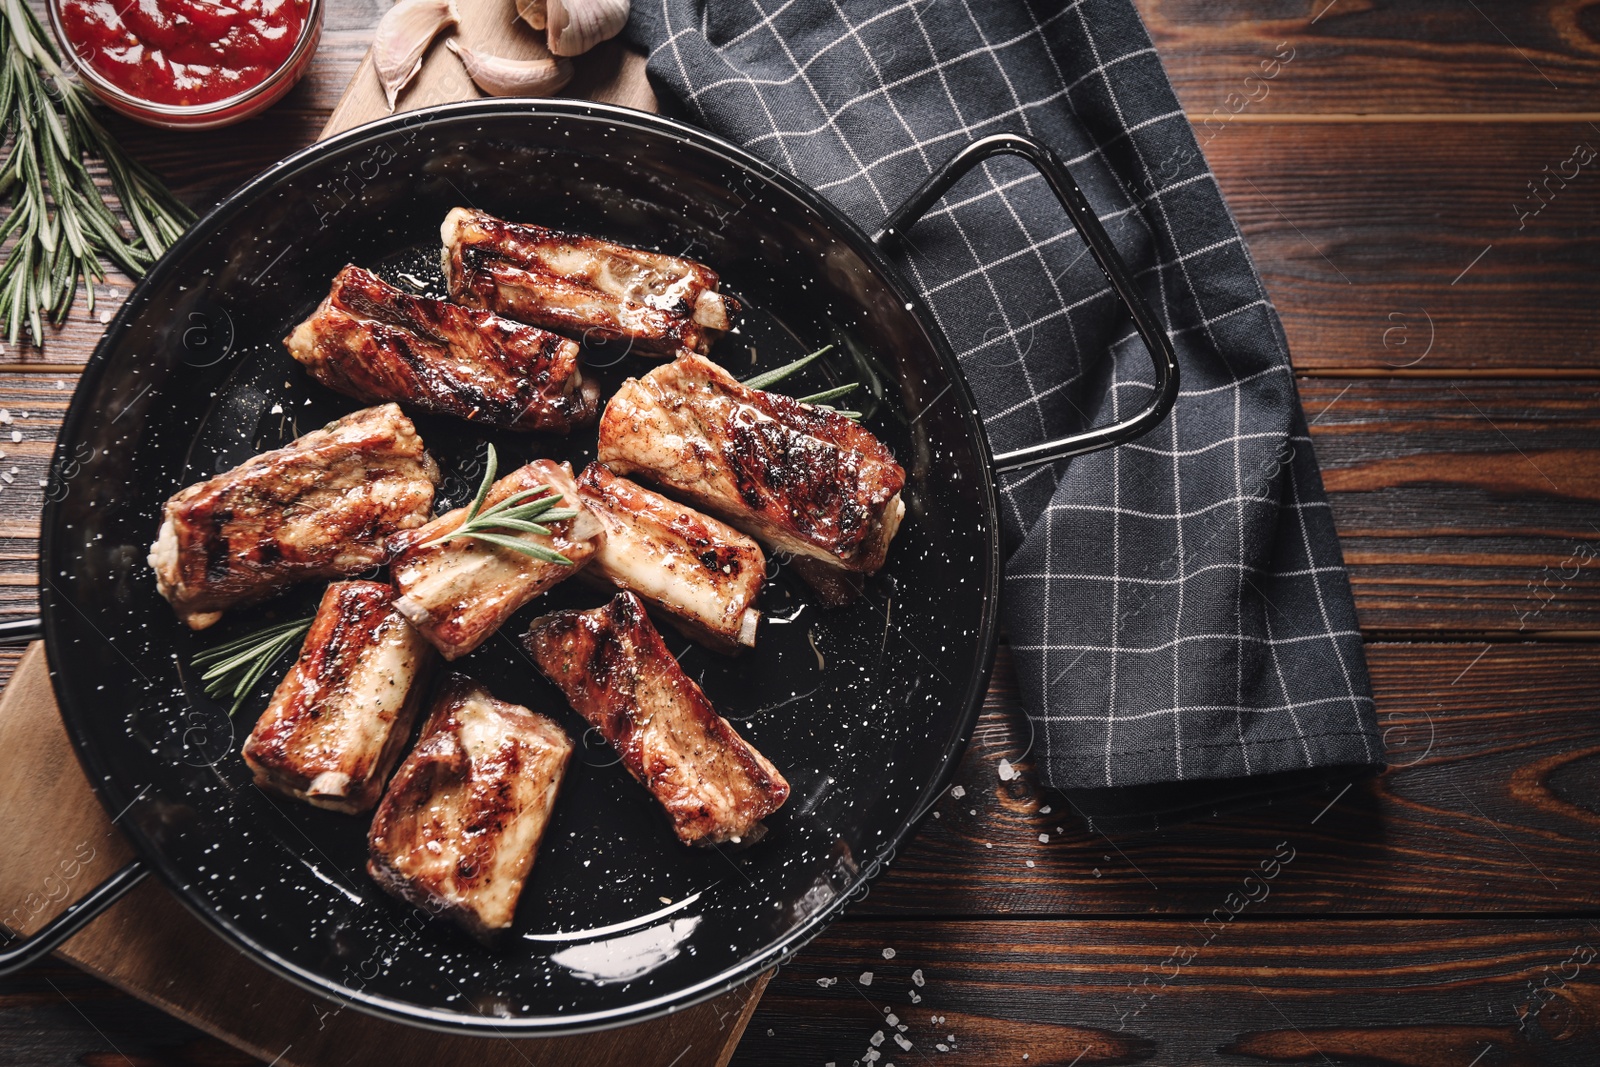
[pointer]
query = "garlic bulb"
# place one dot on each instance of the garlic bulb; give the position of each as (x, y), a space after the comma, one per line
(498, 76)
(402, 38)
(575, 26)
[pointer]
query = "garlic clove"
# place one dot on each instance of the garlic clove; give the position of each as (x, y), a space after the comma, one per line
(532, 12)
(576, 26)
(402, 38)
(499, 76)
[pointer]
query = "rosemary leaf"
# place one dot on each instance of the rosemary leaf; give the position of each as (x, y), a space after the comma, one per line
(527, 548)
(826, 395)
(778, 374)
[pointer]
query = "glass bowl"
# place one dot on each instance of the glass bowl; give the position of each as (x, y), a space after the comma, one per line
(221, 112)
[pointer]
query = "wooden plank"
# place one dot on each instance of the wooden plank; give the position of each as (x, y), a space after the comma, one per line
(1360, 229)
(1464, 506)
(1491, 803)
(1400, 993)
(1350, 56)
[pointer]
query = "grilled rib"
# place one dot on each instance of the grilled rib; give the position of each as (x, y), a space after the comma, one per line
(459, 828)
(373, 342)
(583, 286)
(804, 480)
(320, 507)
(616, 671)
(703, 575)
(459, 592)
(340, 719)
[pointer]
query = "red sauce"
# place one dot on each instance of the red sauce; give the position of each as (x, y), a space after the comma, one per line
(184, 52)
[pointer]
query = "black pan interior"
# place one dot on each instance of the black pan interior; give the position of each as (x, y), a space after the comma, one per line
(865, 709)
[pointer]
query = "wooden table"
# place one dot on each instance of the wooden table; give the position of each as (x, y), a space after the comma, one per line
(1442, 321)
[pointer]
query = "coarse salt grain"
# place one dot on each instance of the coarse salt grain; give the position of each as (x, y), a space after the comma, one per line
(16, 437)
(892, 1019)
(958, 791)
(1045, 810)
(866, 978)
(900, 1039)
(917, 979)
(827, 983)
(1044, 839)
(888, 953)
(1007, 772)
(876, 1039)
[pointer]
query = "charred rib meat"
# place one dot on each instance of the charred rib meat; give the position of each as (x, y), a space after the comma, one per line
(320, 507)
(583, 286)
(373, 342)
(340, 719)
(802, 479)
(459, 828)
(617, 672)
(702, 574)
(458, 592)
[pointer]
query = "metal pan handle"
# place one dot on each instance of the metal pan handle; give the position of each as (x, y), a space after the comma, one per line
(1105, 254)
(22, 952)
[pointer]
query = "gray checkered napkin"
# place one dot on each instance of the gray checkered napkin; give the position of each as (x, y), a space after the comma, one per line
(1177, 608)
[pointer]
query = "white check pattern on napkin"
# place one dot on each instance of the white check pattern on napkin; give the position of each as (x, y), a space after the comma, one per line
(1178, 607)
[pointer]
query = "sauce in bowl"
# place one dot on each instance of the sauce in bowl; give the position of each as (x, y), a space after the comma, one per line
(187, 54)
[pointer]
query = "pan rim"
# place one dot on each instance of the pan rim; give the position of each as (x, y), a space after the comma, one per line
(97, 765)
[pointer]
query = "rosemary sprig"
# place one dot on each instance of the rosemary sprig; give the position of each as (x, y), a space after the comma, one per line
(778, 374)
(516, 513)
(59, 224)
(234, 669)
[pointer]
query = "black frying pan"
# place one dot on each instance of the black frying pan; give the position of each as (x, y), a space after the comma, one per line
(866, 709)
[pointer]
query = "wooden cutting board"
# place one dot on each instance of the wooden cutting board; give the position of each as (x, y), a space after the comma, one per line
(61, 841)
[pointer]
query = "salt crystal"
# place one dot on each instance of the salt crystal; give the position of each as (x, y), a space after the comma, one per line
(916, 998)
(888, 953)
(958, 791)
(1097, 872)
(6, 476)
(60, 384)
(892, 1019)
(905, 1045)
(16, 437)
(276, 409)
(876, 1039)
(15, 470)
(5, 417)
(942, 1047)
(1030, 863)
(1044, 839)
(871, 1056)
(1007, 772)
(827, 983)
(866, 978)
(1045, 810)
(917, 979)
(104, 317)
(43, 483)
